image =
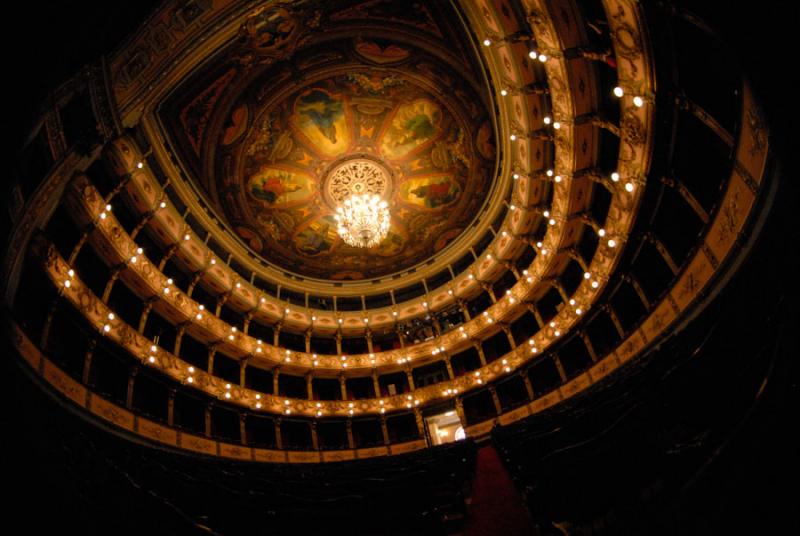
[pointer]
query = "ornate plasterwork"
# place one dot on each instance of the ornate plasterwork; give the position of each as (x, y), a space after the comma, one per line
(356, 176)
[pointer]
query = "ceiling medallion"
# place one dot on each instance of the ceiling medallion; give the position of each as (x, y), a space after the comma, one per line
(357, 187)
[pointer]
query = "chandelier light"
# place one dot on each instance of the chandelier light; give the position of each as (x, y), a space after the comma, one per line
(356, 189)
(363, 220)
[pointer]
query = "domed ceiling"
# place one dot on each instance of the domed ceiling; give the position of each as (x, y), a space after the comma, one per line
(277, 144)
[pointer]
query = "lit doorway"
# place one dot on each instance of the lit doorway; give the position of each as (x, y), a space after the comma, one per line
(444, 428)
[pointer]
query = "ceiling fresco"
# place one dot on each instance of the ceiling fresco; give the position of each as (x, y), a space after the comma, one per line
(268, 144)
(436, 177)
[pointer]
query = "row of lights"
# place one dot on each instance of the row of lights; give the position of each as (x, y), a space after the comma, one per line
(107, 328)
(547, 120)
(287, 410)
(618, 91)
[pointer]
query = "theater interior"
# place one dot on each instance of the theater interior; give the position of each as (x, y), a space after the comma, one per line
(447, 267)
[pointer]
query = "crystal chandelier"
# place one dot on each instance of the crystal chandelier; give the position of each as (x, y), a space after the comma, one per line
(363, 220)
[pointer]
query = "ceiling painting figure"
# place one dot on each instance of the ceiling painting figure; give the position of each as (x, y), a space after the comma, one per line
(318, 237)
(279, 187)
(412, 125)
(321, 118)
(431, 192)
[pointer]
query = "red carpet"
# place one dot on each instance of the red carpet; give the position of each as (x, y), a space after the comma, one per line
(496, 507)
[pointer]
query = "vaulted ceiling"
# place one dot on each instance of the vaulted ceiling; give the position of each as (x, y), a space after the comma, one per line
(266, 122)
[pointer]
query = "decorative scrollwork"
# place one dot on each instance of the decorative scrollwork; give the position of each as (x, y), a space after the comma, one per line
(357, 177)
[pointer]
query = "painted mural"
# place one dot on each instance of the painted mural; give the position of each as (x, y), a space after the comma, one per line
(278, 187)
(412, 125)
(194, 117)
(278, 152)
(413, 13)
(382, 52)
(485, 141)
(270, 28)
(431, 192)
(236, 125)
(320, 117)
(318, 237)
(394, 242)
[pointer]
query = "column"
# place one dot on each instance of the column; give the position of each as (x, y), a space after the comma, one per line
(87, 360)
(370, 348)
(208, 419)
(193, 283)
(528, 384)
(376, 384)
(148, 306)
(48, 321)
(589, 346)
(536, 314)
(664, 252)
(481, 355)
(350, 441)
(489, 290)
(510, 336)
(243, 371)
(212, 350)
(687, 196)
(384, 430)
(131, 383)
(464, 310)
(167, 256)
(561, 372)
(400, 337)
(276, 334)
(561, 292)
(460, 411)
(615, 320)
(278, 439)
(310, 386)
(110, 285)
(496, 399)
(436, 325)
(410, 377)
(171, 408)
(449, 365)
(243, 429)
(77, 249)
(178, 338)
(314, 437)
(639, 290)
(420, 422)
